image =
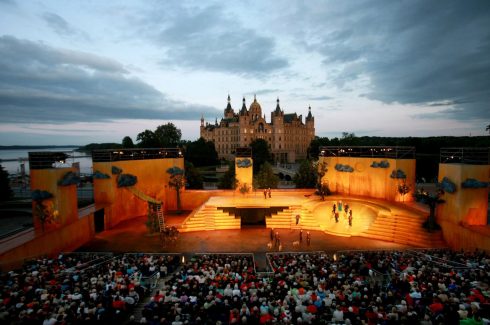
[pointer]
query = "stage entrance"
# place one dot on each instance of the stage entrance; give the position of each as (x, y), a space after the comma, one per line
(252, 216)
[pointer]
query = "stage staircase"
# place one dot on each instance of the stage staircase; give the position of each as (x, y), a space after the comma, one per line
(209, 217)
(287, 218)
(404, 229)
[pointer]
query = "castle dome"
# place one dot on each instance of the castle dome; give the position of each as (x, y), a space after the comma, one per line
(255, 108)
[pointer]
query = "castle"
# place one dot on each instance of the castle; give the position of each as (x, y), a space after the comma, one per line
(287, 136)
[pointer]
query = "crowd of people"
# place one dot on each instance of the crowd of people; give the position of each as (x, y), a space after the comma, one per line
(351, 287)
(78, 288)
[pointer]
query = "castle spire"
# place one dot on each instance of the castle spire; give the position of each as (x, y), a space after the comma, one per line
(278, 108)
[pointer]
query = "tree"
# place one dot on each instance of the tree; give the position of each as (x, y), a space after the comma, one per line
(488, 128)
(147, 139)
(266, 177)
(177, 181)
(432, 200)
(5, 190)
(306, 176)
(192, 176)
(168, 135)
(201, 153)
(322, 186)
(127, 142)
(228, 181)
(260, 153)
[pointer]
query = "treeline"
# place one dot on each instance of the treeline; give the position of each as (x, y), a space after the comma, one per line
(423, 145)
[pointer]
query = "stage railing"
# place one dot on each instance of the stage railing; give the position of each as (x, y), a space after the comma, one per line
(135, 154)
(393, 152)
(469, 156)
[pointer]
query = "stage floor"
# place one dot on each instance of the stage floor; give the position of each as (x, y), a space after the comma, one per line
(132, 235)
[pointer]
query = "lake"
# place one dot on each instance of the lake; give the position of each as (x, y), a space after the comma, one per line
(17, 157)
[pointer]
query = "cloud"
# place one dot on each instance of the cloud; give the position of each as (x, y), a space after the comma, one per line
(321, 98)
(61, 27)
(207, 38)
(262, 92)
(42, 84)
(411, 52)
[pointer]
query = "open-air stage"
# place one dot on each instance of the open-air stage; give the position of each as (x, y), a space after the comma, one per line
(377, 224)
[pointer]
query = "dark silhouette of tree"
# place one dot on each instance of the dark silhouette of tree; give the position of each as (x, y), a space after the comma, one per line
(177, 181)
(192, 176)
(260, 153)
(228, 181)
(168, 135)
(306, 176)
(147, 139)
(321, 186)
(488, 128)
(432, 200)
(5, 189)
(201, 153)
(127, 142)
(266, 177)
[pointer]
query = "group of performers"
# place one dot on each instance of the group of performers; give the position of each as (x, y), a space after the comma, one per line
(337, 210)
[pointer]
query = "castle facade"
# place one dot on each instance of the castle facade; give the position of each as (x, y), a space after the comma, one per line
(286, 134)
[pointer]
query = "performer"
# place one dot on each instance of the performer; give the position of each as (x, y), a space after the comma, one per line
(350, 218)
(270, 192)
(301, 235)
(339, 207)
(297, 219)
(336, 217)
(346, 208)
(272, 234)
(308, 238)
(334, 208)
(265, 193)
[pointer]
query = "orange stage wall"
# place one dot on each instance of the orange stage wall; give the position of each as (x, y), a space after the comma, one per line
(65, 239)
(465, 209)
(244, 175)
(119, 203)
(64, 200)
(368, 181)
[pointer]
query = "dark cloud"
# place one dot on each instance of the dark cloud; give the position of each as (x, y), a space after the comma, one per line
(42, 84)
(321, 98)
(262, 92)
(413, 52)
(61, 27)
(207, 38)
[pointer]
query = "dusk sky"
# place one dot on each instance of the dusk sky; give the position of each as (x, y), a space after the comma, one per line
(75, 72)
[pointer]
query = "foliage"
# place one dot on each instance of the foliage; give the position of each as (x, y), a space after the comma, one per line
(68, 179)
(125, 180)
(127, 142)
(321, 186)
(116, 170)
(260, 153)
(228, 180)
(344, 168)
(177, 181)
(100, 175)
(193, 177)
(244, 188)
(473, 183)
(147, 139)
(403, 188)
(306, 176)
(432, 200)
(266, 178)
(398, 174)
(5, 190)
(201, 153)
(99, 146)
(243, 163)
(42, 210)
(381, 164)
(447, 186)
(168, 135)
